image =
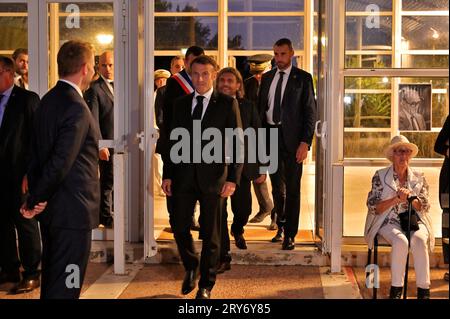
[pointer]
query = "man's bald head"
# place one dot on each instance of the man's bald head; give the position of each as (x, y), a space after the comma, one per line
(106, 65)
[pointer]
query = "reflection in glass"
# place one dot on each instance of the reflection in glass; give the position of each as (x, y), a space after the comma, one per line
(365, 144)
(174, 33)
(424, 61)
(260, 33)
(367, 110)
(86, 7)
(13, 7)
(354, 61)
(265, 5)
(425, 143)
(13, 33)
(424, 5)
(186, 6)
(360, 6)
(425, 33)
(352, 83)
(362, 36)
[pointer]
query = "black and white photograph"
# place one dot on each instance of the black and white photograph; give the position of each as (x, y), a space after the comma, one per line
(414, 113)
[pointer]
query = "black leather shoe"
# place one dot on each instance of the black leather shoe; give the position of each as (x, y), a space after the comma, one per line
(26, 285)
(239, 241)
(223, 266)
(9, 277)
(423, 293)
(446, 276)
(288, 244)
(189, 282)
(278, 237)
(259, 217)
(396, 292)
(203, 293)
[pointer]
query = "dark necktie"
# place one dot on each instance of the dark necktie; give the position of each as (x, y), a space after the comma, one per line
(415, 124)
(198, 110)
(277, 102)
(112, 84)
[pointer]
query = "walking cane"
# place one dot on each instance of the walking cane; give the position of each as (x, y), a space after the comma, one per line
(405, 289)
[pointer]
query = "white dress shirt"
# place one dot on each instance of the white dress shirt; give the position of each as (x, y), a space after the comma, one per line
(73, 85)
(273, 87)
(206, 100)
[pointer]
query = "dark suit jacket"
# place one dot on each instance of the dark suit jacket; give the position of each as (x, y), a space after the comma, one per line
(222, 112)
(101, 103)
(251, 86)
(159, 107)
(64, 167)
(440, 147)
(15, 136)
(298, 107)
(250, 118)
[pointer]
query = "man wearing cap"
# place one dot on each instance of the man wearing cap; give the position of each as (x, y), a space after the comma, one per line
(287, 104)
(180, 84)
(100, 99)
(260, 64)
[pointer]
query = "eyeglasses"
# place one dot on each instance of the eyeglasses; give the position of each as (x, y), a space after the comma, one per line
(402, 152)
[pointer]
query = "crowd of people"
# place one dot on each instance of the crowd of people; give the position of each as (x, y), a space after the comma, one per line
(54, 173)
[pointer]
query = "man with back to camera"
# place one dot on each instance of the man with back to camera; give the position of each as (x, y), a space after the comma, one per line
(286, 102)
(64, 173)
(17, 108)
(208, 183)
(100, 99)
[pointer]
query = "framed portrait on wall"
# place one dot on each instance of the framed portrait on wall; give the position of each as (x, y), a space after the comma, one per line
(414, 112)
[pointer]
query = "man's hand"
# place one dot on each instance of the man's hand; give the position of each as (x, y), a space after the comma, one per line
(30, 213)
(228, 189)
(261, 179)
(302, 152)
(25, 184)
(166, 186)
(103, 154)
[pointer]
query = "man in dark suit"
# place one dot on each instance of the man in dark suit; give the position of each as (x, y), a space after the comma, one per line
(64, 173)
(179, 84)
(100, 99)
(20, 58)
(196, 179)
(17, 107)
(286, 102)
(229, 82)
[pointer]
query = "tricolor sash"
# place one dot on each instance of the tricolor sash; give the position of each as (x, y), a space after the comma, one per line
(184, 81)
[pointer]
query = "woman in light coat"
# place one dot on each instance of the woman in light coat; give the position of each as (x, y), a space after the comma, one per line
(391, 187)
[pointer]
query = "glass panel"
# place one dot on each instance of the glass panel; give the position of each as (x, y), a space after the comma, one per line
(174, 33)
(260, 33)
(186, 6)
(425, 33)
(440, 109)
(368, 83)
(367, 110)
(13, 7)
(265, 5)
(424, 5)
(365, 144)
(358, 5)
(424, 61)
(360, 35)
(13, 33)
(425, 142)
(368, 61)
(357, 184)
(86, 7)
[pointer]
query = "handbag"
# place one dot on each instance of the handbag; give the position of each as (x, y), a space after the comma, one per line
(413, 222)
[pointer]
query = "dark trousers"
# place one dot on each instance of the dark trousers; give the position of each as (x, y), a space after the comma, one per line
(445, 234)
(241, 205)
(106, 188)
(286, 183)
(262, 194)
(29, 241)
(209, 220)
(64, 261)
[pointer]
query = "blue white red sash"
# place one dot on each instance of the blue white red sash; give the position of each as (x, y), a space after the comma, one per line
(184, 81)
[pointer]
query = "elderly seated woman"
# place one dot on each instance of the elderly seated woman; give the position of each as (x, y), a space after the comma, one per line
(391, 187)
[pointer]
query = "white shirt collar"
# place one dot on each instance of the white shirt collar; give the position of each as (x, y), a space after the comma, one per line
(207, 95)
(73, 85)
(106, 80)
(286, 71)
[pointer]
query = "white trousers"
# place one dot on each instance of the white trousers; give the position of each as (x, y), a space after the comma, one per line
(419, 249)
